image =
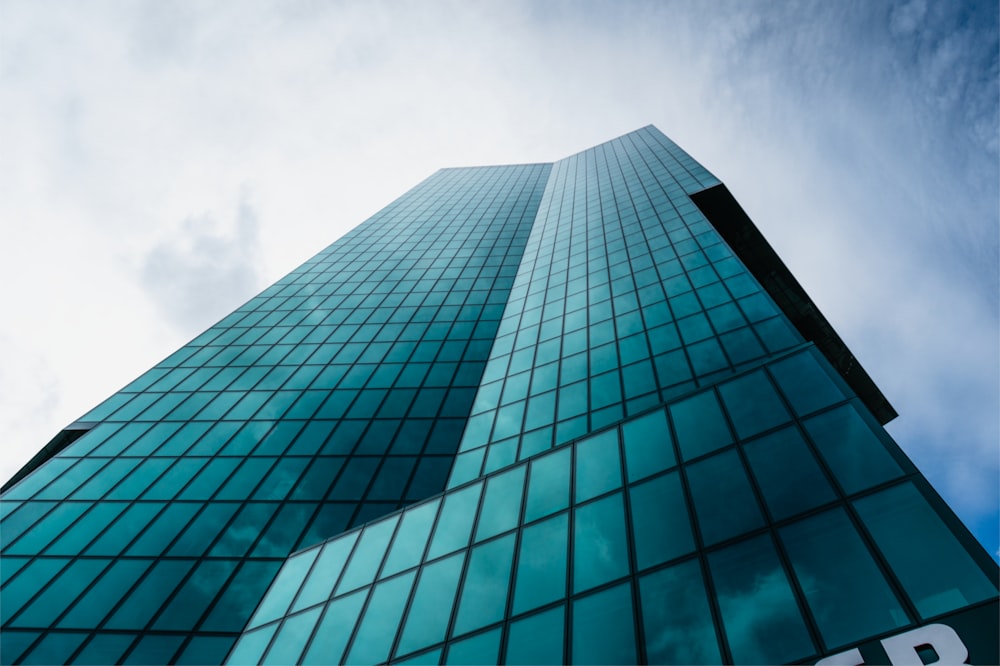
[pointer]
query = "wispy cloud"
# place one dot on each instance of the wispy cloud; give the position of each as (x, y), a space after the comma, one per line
(201, 272)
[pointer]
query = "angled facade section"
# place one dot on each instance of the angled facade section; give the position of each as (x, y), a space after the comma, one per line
(561, 413)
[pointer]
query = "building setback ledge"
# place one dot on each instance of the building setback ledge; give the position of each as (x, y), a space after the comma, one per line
(731, 221)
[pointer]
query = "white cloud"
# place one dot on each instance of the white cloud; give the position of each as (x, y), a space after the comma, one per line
(199, 274)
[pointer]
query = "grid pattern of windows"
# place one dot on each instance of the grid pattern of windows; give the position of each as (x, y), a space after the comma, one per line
(526, 414)
(715, 529)
(336, 396)
(626, 297)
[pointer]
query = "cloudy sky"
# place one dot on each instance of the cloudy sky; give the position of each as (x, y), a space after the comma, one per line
(162, 161)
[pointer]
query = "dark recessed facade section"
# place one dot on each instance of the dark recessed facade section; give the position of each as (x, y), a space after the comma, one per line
(736, 228)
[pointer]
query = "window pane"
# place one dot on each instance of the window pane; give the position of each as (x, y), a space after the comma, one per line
(284, 588)
(700, 425)
(430, 611)
(935, 570)
(548, 488)
(788, 475)
(857, 457)
(411, 538)
(648, 446)
(334, 630)
(323, 577)
(603, 632)
(501, 503)
(537, 639)
(804, 383)
(541, 568)
(661, 525)
(599, 543)
(291, 639)
(367, 555)
(598, 466)
(723, 500)
(479, 649)
(762, 620)
(455, 523)
(676, 618)
(378, 627)
(848, 607)
(753, 404)
(484, 593)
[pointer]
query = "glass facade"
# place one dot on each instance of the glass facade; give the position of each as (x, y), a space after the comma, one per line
(529, 414)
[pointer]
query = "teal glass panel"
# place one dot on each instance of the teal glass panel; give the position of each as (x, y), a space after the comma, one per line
(700, 425)
(75, 539)
(163, 529)
(649, 447)
(249, 649)
(762, 621)
(18, 517)
(600, 550)
(806, 386)
(157, 648)
(846, 608)
(723, 500)
(143, 475)
(48, 528)
(603, 630)
(429, 658)
(479, 649)
(936, 571)
(676, 617)
(541, 564)
(411, 538)
(484, 592)
(20, 589)
(200, 532)
(54, 648)
(378, 627)
(548, 484)
(198, 592)
(291, 638)
(598, 465)
(455, 521)
(211, 477)
(206, 650)
(118, 536)
(537, 639)
(334, 630)
(14, 643)
(500, 454)
(101, 598)
(150, 594)
(284, 588)
(753, 404)
(466, 467)
(789, 477)
(97, 486)
(244, 530)
(233, 607)
(367, 556)
(851, 448)
(501, 507)
(430, 611)
(535, 442)
(661, 527)
(44, 608)
(104, 649)
(324, 575)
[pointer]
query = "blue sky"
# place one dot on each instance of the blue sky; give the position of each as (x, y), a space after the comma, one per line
(162, 161)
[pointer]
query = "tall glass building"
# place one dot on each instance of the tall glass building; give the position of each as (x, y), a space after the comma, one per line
(571, 412)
